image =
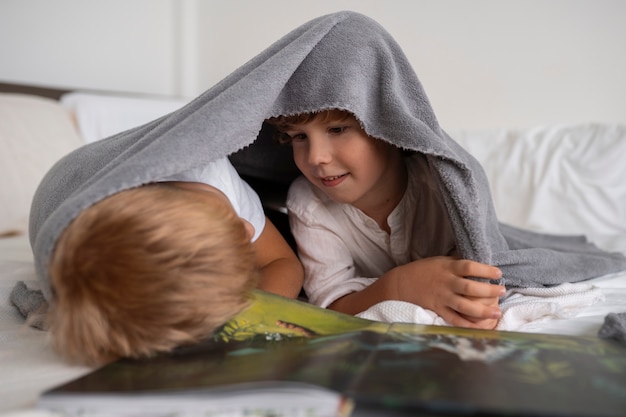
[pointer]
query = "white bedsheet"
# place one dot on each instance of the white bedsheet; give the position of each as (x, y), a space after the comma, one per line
(28, 366)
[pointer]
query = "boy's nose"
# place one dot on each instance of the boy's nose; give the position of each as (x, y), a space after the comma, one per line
(320, 151)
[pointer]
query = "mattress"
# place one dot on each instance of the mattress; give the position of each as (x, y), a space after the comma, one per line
(29, 366)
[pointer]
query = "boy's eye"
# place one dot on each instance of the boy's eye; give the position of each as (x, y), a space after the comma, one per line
(337, 130)
(297, 137)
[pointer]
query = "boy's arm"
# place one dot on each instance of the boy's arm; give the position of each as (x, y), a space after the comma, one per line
(281, 271)
(438, 284)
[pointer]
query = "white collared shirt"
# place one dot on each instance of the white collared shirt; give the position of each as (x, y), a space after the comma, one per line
(343, 250)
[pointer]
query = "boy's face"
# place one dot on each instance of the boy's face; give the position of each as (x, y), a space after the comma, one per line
(212, 195)
(339, 158)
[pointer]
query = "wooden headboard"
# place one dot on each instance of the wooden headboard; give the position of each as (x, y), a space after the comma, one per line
(53, 93)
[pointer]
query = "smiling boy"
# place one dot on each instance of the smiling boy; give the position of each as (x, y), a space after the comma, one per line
(360, 242)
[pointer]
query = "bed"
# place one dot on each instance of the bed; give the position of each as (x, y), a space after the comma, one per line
(565, 179)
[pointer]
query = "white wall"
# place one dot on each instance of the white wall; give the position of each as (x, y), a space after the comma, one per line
(110, 45)
(484, 63)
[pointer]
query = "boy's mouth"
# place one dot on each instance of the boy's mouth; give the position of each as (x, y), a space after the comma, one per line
(333, 180)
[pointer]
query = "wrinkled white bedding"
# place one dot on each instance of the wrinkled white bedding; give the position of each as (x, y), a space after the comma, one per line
(28, 366)
(565, 179)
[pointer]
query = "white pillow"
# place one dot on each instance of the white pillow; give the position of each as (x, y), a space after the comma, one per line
(568, 179)
(100, 115)
(35, 132)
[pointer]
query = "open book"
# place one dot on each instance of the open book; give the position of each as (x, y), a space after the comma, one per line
(282, 357)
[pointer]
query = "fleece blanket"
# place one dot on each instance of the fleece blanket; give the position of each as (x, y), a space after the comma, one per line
(343, 60)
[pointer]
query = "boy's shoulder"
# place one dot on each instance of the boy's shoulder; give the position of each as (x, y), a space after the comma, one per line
(305, 200)
(301, 193)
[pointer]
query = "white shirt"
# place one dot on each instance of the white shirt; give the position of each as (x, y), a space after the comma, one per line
(223, 176)
(343, 250)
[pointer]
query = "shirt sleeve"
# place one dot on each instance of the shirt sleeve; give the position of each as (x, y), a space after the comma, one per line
(243, 198)
(222, 175)
(329, 271)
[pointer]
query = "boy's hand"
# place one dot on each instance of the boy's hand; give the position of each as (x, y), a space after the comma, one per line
(440, 284)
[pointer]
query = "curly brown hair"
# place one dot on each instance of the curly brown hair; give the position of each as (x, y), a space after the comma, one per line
(284, 123)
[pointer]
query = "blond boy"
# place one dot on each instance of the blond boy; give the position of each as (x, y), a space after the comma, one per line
(162, 265)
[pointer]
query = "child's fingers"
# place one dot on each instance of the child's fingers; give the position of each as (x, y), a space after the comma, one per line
(467, 268)
(475, 309)
(471, 288)
(453, 318)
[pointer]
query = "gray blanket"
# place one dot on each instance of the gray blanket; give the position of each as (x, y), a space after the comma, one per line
(343, 60)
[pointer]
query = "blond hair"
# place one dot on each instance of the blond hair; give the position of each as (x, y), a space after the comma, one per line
(146, 270)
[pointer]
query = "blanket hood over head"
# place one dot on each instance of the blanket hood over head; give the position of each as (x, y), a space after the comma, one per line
(343, 60)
